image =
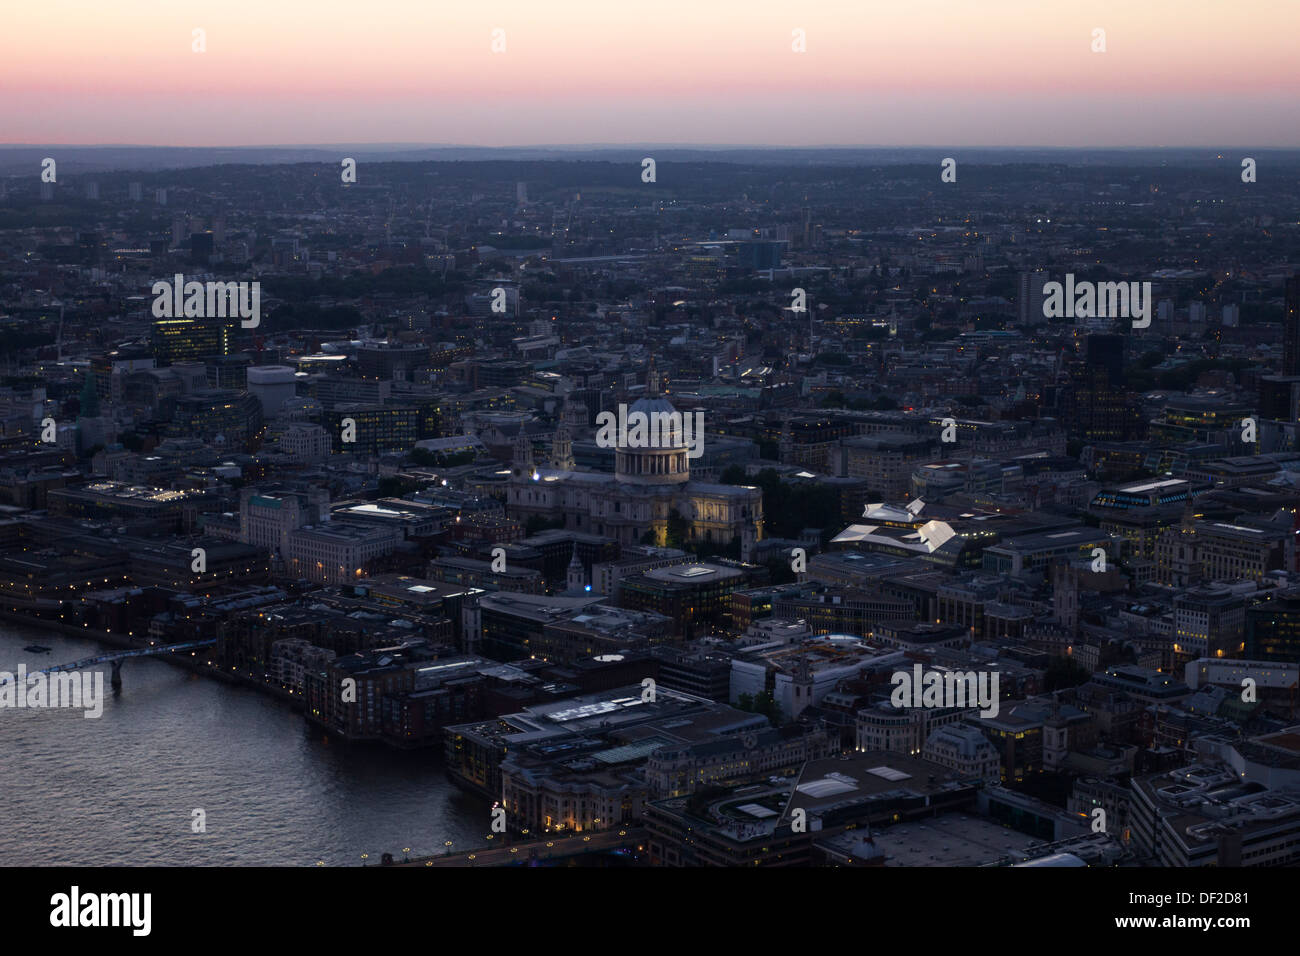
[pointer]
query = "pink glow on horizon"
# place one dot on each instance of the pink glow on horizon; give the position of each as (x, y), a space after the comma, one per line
(287, 71)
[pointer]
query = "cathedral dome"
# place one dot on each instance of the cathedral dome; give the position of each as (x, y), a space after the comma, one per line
(665, 429)
(652, 403)
(653, 449)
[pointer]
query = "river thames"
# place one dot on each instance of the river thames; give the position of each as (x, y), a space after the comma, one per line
(121, 789)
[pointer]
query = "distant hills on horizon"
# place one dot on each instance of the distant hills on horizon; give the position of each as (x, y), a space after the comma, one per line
(20, 159)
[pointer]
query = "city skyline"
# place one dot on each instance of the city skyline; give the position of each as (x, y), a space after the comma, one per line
(830, 437)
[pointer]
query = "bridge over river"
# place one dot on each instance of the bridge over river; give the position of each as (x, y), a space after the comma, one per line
(115, 659)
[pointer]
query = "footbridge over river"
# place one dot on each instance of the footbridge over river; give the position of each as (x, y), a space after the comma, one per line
(116, 658)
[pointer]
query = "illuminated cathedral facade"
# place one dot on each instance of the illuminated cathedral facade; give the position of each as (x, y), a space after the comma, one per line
(649, 483)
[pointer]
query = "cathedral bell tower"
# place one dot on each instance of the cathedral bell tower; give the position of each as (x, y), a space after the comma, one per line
(576, 575)
(562, 448)
(523, 451)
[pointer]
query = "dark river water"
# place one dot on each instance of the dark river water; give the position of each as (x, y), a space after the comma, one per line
(121, 789)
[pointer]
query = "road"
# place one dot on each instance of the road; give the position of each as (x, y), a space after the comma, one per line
(549, 848)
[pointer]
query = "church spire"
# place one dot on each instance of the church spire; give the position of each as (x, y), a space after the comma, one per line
(562, 447)
(576, 574)
(523, 450)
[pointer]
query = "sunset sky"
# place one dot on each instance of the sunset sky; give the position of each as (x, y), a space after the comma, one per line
(904, 72)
